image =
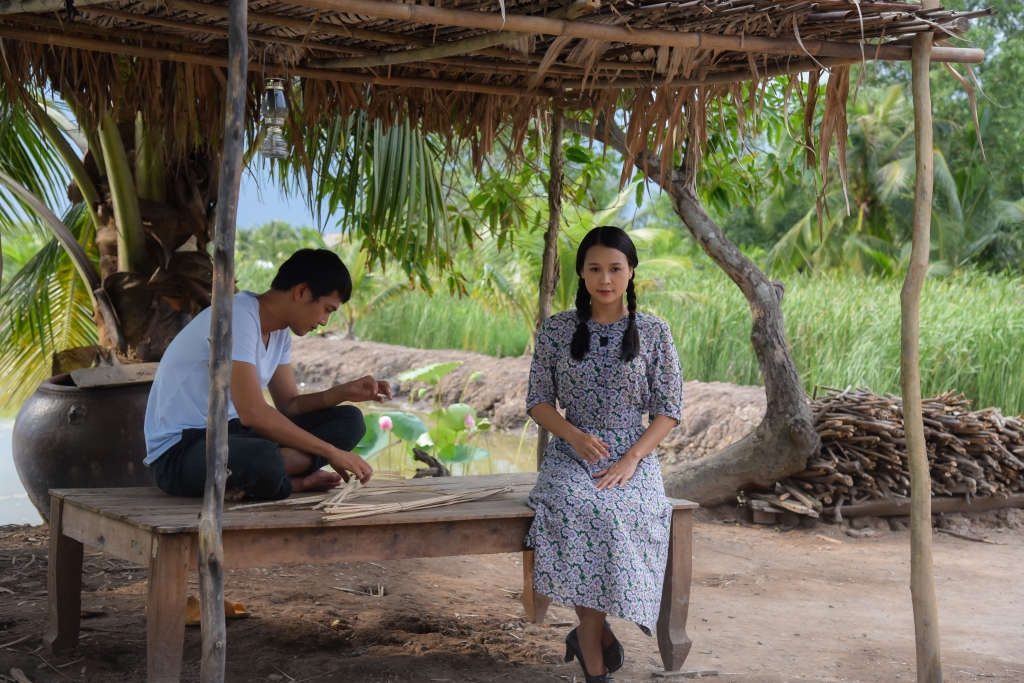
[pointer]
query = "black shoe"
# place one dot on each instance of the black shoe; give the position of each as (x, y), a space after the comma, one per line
(614, 654)
(572, 649)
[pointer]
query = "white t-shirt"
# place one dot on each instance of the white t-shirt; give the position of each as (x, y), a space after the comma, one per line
(181, 390)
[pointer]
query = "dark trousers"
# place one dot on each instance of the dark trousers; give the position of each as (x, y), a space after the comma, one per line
(255, 464)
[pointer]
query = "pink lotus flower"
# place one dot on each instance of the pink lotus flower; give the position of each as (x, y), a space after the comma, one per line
(469, 421)
(385, 423)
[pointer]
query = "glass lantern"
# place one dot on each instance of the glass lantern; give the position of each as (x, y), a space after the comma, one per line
(274, 111)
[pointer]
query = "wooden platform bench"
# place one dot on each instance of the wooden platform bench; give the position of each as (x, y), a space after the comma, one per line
(154, 530)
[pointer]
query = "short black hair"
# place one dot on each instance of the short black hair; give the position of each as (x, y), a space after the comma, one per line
(319, 269)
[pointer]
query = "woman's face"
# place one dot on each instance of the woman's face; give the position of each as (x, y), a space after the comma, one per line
(606, 272)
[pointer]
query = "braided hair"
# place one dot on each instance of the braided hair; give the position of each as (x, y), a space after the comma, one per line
(613, 238)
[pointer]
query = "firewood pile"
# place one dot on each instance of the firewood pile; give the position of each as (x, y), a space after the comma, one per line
(863, 457)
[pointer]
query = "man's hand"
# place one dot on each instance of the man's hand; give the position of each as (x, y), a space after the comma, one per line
(344, 462)
(366, 389)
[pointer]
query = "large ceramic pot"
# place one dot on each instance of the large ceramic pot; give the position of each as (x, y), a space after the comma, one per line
(66, 437)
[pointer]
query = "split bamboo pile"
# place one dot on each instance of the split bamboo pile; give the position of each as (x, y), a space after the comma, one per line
(863, 457)
(339, 503)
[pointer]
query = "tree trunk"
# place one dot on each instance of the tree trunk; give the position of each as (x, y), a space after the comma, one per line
(922, 575)
(211, 549)
(550, 267)
(785, 438)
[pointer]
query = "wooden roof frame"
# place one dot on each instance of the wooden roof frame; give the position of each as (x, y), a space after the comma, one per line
(477, 64)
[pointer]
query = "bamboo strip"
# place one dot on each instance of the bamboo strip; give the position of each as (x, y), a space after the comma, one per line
(343, 511)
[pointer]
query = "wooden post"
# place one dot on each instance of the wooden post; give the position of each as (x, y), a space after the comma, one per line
(673, 643)
(534, 604)
(63, 583)
(922, 575)
(550, 267)
(211, 549)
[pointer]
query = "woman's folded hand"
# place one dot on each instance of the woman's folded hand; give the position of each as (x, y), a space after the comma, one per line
(588, 446)
(618, 473)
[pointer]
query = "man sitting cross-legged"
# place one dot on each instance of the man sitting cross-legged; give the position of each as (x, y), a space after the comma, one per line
(271, 451)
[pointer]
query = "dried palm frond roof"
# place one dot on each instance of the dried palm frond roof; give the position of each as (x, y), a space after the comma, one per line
(459, 66)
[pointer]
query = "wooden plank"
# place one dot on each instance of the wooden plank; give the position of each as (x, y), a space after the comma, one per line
(118, 538)
(63, 584)
(901, 506)
(114, 375)
(326, 545)
(165, 607)
(682, 504)
(151, 509)
(673, 642)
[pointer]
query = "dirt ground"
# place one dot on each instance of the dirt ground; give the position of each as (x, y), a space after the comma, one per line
(768, 604)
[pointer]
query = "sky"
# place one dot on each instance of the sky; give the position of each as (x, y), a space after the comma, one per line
(260, 202)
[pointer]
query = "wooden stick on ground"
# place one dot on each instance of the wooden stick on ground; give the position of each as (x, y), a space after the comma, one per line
(211, 549)
(922, 574)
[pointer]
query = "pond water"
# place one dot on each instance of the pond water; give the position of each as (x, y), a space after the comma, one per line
(510, 452)
(15, 507)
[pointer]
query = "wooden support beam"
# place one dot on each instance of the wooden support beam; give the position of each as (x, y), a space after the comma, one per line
(306, 26)
(211, 521)
(425, 14)
(18, 6)
(207, 29)
(221, 62)
(922, 572)
(456, 47)
(549, 261)
(739, 75)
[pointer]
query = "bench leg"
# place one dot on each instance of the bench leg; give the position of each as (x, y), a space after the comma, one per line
(165, 607)
(673, 642)
(63, 584)
(535, 604)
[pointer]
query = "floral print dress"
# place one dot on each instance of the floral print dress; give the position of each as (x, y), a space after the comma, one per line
(606, 550)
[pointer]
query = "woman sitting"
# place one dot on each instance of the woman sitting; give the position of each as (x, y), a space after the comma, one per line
(601, 532)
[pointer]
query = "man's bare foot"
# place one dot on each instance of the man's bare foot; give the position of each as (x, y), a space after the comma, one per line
(321, 480)
(233, 493)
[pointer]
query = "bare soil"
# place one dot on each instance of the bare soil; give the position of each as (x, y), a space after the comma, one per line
(715, 414)
(768, 605)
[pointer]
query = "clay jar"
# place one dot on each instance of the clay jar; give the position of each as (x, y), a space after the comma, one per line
(66, 437)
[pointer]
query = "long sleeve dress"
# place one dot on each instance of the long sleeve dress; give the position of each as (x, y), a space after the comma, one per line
(606, 550)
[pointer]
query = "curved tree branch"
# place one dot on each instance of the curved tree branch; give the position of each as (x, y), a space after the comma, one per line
(785, 438)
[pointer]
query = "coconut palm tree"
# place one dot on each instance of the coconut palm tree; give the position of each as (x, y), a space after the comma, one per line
(126, 267)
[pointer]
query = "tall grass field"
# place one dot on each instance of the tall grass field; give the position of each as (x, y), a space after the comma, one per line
(843, 331)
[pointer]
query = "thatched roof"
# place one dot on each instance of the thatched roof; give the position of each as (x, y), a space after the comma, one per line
(448, 63)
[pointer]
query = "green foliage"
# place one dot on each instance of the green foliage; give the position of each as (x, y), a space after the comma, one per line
(375, 440)
(843, 330)
(431, 374)
(45, 307)
(260, 251)
(383, 184)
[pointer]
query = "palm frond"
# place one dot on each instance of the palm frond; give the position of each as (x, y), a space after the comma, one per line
(28, 158)
(385, 183)
(45, 308)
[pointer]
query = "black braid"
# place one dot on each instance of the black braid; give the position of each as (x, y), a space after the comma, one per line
(631, 337)
(581, 338)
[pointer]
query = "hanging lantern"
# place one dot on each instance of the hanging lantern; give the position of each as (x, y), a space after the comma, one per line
(274, 111)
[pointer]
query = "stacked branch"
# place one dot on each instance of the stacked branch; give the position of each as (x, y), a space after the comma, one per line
(863, 457)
